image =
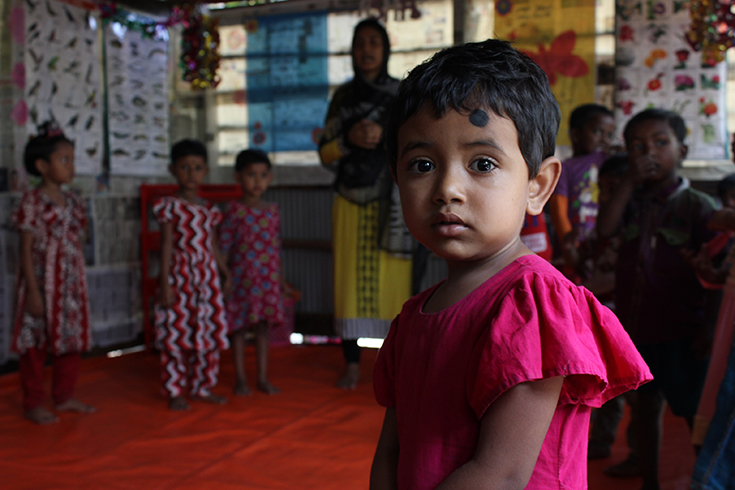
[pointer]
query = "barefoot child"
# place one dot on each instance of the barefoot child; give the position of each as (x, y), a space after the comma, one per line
(251, 241)
(190, 314)
(489, 376)
(52, 312)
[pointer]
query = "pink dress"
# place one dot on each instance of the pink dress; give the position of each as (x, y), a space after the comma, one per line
(196, 321)
(441, 371)
(58, 262)
(251, 240)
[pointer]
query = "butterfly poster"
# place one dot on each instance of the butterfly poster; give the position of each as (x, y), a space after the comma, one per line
(63, 76)
(656, 67)
(560, 37)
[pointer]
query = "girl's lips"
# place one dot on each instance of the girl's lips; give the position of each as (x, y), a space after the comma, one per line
(448, 224)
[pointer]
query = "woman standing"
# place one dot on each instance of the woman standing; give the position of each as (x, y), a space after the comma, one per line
(372, 266)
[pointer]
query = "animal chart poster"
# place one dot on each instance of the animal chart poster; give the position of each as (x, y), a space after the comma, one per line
(63, 76)
(560, 37)
(656, 67)
(137, 100)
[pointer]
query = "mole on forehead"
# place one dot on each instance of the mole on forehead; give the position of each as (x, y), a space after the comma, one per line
(479, 118)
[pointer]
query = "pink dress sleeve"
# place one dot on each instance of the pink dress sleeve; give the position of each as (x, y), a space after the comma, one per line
(24, 215)
(227, 230)
(385, 368)
(546, 328)
(163, 210)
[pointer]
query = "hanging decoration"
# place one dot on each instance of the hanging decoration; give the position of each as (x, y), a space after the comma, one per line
(200, 59)
(712, 30)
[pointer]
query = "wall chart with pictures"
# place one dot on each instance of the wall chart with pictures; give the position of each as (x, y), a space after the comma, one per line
(63, 76)
(656, 67)
(137, 97)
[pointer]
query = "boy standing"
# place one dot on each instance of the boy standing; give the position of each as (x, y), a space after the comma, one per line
(658, 297)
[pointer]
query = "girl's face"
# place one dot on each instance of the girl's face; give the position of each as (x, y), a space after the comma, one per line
(189, 171)
(367, 51)
(59, 168)
(596, 135)
(254, 179)
(464, 187)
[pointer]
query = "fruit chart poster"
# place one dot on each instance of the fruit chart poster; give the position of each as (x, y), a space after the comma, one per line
(656, 67)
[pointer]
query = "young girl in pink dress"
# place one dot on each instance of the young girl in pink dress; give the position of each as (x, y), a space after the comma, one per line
(251, 240)
(489, 377)
(190, 314)
(52, 312)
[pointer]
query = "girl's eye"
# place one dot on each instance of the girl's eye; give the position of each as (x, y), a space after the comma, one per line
(421, 166)
(483, 165)
(662, 142)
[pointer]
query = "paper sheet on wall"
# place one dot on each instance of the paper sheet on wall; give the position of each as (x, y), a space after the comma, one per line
(63, 77)
(657, 68)
(137, 98)
(560, 37)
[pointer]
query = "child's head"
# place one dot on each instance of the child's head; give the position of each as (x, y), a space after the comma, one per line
(253, 172)
(591, 128)
(656, 136)
(611, 174)
(726, 191)
(50, 155)
(370, 49)
(189, 163)
(478, 77)
(471, 140)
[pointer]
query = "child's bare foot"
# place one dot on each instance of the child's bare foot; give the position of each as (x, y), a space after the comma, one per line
(349, 379)
(178, 404)
(41, 416)
(267, 388)
(211, 398)
(74, 405)
(242, 389)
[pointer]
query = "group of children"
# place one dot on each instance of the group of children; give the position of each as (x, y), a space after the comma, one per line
(220, 275)
(489, 377)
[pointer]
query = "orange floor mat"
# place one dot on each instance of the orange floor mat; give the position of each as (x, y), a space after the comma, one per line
(311, 435)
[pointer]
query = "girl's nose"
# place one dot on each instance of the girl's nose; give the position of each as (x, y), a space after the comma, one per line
(449, 187)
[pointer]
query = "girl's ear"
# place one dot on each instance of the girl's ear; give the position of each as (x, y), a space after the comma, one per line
(542, 186)
(41, 165)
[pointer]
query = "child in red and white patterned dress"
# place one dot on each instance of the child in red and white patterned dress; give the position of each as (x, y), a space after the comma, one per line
(190, 314)
(52, 312)
(251, 240)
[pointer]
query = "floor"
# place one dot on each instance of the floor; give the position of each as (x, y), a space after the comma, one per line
(312, 435)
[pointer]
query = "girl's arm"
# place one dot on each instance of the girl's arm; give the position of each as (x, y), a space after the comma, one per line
(559, 208)
(384, 472)
(512, 432)
(165, 297)
(224, 271)
(34, 299)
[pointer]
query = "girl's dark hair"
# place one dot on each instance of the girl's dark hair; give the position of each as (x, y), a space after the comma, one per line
(615, 166)
(725, 186)
(486, 75)
(188, 147)
(43, 145)
(582, 114)
(373, 23)
(674, 120)
(249, 157)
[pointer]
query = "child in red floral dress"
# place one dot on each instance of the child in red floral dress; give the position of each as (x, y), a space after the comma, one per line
(52, 312)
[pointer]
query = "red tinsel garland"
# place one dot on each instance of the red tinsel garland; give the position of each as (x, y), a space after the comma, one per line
(712, 30)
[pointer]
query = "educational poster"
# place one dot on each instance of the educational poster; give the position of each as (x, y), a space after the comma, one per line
(287, 81)
(656, 67)
(63, 76)
(560, 37)
(137, 101)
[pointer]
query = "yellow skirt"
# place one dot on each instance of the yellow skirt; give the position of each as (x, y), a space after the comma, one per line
(370, 285)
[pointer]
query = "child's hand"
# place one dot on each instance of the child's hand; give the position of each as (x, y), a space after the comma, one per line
(226, 280)
(365, 134)
(640, 169)
(165, 295)
(34, 304)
